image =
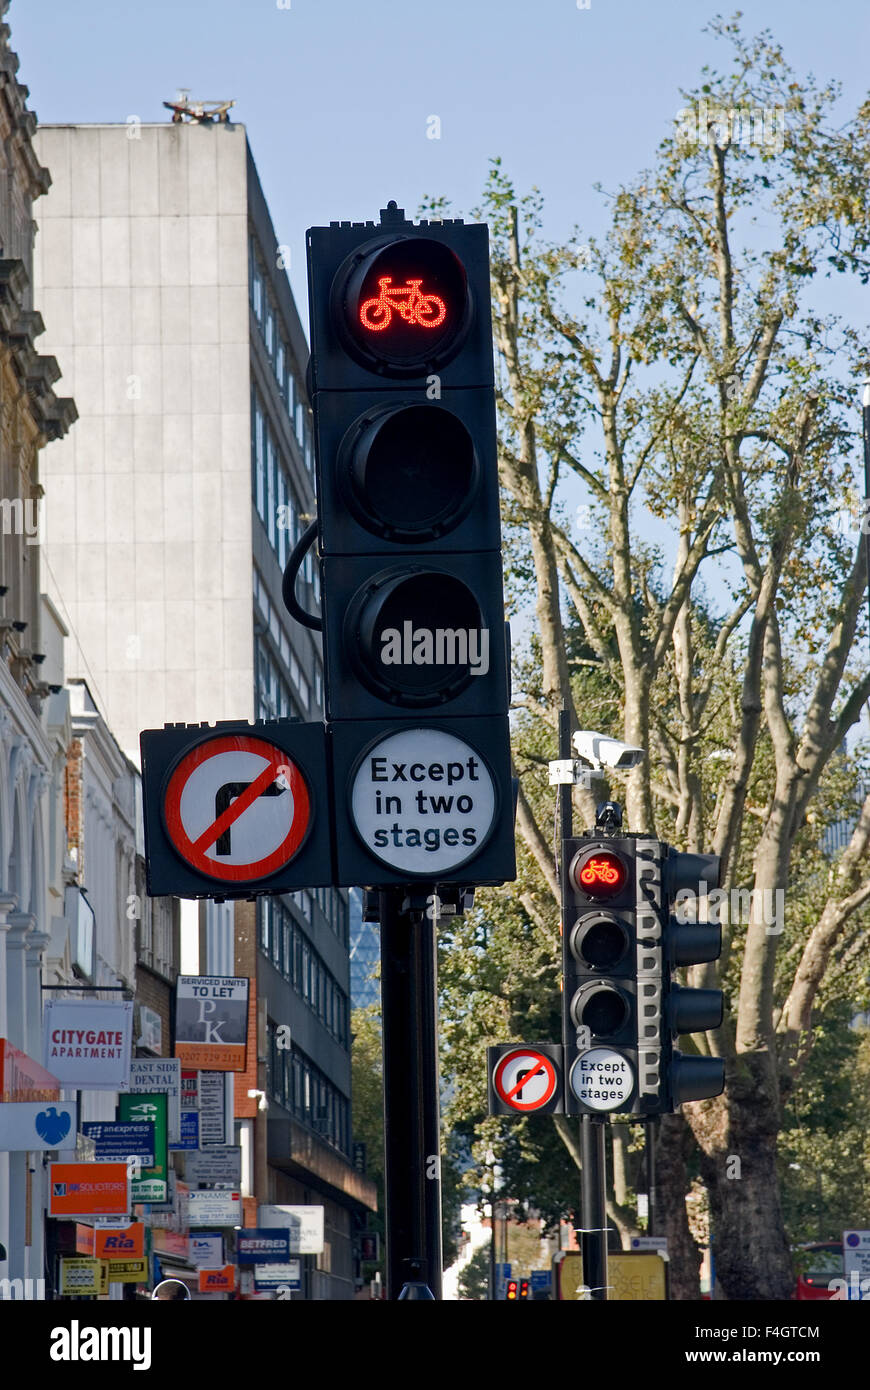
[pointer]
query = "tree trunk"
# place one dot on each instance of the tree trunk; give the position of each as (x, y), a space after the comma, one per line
(738, 1137)
(671, 1218)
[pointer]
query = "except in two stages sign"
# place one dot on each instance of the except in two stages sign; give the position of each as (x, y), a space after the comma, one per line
(423, 802)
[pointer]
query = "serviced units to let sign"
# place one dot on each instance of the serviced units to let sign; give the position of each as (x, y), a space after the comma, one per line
(86, 1043)
(211, 1022)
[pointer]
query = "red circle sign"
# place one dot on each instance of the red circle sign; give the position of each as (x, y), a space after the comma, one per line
(236, 808)
(525, 1070)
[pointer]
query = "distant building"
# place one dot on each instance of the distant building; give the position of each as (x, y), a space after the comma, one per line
(169, 522)
(365, 955)
(34, 712)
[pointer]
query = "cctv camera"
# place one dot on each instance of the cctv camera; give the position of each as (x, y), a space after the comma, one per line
(597, 750)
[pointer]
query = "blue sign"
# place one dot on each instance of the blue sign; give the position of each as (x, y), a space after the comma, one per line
(189, 1130)
(263, 1246)
(541, 1279)
(119, 1142)
(502, 1274)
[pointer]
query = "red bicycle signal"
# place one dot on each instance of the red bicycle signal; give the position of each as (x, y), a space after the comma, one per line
(408, 300)
(601, 874)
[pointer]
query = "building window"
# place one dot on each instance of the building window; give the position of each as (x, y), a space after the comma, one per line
(257, 288)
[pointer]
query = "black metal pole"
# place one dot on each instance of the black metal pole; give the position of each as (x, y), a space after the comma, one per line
(865, 520)
(411, 1103)
(593, 1238)
(650, 1130)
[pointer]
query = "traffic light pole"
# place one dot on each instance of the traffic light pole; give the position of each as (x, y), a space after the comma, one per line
(411, 1105)
(593, 1235)
(651, 1130)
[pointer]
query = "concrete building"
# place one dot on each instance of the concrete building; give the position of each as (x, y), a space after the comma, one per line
(169, 520)
(34, 717)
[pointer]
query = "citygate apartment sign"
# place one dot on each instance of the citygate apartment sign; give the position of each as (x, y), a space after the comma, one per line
(87, 1043)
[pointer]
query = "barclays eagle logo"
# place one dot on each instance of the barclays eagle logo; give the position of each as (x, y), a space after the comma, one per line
(51, 1126)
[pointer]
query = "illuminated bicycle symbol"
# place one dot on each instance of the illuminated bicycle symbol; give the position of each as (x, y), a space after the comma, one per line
(599, 871)
(427, 310)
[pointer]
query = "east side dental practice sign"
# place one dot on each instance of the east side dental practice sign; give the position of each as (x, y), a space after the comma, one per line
(87, 1043)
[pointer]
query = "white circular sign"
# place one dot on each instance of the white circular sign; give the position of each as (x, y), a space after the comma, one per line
(602, 1078)
(423, 801)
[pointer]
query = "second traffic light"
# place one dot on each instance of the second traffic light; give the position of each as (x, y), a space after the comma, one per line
(409, 534)
(622, 1008)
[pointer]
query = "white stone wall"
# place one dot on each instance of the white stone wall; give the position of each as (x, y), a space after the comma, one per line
(141, 274)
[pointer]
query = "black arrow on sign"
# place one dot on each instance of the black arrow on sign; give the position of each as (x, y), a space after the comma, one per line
(228, 793)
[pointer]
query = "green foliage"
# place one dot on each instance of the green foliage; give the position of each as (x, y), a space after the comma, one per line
(825, 1143)
(678, 376)
(473, 1282)
(367, 1099)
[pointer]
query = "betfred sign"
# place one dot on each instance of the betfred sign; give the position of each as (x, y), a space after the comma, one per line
(263, 1246)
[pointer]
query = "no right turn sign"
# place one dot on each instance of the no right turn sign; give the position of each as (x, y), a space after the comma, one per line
(525, 1078)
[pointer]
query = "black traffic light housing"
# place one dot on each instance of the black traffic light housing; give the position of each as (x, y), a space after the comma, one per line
(605, 997)
(622, 1007)
(402, 386)
(690, 1076)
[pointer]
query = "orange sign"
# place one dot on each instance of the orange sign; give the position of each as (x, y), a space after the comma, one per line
(123, 1243)
(23, 1079)
(217, 1280)
(88, 1189)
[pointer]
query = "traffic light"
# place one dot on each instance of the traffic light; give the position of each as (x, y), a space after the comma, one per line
(415, 647)
(690, 1077)
(622, 1007)
(601, 937)
(524, 1288)
(512, 1290)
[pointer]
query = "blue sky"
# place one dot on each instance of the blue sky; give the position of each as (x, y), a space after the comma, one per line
(335, 94)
